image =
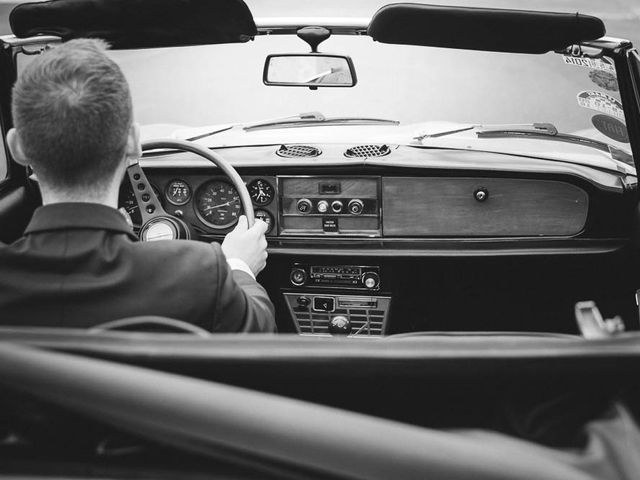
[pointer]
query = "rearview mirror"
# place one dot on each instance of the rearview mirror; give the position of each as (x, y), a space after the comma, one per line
(309, 70)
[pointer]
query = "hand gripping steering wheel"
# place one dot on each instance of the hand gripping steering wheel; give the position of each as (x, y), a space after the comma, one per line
(158, 224)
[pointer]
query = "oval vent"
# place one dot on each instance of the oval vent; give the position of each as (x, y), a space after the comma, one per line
(367, 151)
(297, 151)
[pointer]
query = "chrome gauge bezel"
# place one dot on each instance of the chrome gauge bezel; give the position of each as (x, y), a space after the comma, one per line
(168, 197)
(260, 211)
(270, 196)
(196, 205)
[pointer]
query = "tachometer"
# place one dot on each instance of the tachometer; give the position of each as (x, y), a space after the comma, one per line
(217, 204)
(261, 192)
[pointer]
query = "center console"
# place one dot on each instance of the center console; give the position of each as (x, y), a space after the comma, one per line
(338, 300)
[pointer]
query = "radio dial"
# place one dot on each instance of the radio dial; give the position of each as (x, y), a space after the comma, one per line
(323, 206)
(355, 206)
(304, 205)
(298, 277)
(371, 280)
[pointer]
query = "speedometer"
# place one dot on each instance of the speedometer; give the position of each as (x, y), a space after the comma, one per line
(218, 204)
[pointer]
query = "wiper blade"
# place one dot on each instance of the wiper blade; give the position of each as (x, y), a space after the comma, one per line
(542, 128)
(311, 116)
(547, 129)
(315, 118)
(208, 134)
(550, 132)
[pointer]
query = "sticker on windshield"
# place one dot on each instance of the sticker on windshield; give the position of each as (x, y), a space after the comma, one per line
(601, 102)
(611, 127)
(593, 63)
(604, 80)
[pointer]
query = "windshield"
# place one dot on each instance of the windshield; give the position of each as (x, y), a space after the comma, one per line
(200, 86)
(187, 90)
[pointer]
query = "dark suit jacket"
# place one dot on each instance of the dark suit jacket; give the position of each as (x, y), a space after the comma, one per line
(79, 265)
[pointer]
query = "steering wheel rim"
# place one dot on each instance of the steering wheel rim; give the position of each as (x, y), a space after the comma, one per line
(217, 160)
(170, 323)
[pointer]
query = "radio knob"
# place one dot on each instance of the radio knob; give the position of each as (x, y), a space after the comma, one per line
(298, 276)
(355, 206)
(371, 280)
(322, 206)
(336, 206)
(340, 325)
(304, 205)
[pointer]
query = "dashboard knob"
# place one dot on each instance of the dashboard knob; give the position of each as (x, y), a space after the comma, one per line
(355, 206)
(340, 325)
(304, 205)
(322, 206)
(371, 280)
(481, 194)
(336, 206)
(298, 276)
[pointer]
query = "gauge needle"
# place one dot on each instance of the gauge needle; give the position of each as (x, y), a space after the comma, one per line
(206, 209)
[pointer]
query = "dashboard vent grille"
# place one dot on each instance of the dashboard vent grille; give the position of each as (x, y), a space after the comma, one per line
(298, 151)
(367, 151)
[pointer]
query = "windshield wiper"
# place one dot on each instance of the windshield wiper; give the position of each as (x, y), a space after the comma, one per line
(543, 128)
(315, 118)
(546, 131)
(550, 132)
(309, 118)
(208, 134)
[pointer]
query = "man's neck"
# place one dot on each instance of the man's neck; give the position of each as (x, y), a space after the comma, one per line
(49, 199)
(108, 197)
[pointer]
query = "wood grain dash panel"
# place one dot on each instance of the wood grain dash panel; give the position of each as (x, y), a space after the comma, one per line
(515, 207)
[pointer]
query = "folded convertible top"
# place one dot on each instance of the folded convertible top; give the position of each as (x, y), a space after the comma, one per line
(137, 23)
(492, 29)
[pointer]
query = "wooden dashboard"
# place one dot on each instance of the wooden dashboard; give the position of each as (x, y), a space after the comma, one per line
(381, 206)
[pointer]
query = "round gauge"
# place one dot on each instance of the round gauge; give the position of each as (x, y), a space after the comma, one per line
(266, 217)
(261, 192)
(178, 192)
(217, 204)
(128, 202)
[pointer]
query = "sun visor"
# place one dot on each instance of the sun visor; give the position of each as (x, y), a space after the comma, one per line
(490, 29)
(137, 23)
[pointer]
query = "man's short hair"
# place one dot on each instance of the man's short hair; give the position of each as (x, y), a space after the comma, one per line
(72, 111)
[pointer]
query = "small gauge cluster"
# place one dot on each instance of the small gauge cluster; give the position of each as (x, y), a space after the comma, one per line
(214, 202)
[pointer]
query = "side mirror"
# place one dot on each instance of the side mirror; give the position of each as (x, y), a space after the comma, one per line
(309, 70)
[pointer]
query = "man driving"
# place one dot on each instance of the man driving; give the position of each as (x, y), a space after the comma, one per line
(78, 263)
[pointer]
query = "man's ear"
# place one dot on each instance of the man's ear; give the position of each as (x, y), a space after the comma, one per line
(134, 147)
(15, 147)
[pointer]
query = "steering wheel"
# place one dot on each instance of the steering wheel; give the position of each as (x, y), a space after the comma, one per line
(157, 224)
(150, 322)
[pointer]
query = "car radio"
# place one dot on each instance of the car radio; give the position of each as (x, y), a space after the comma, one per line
(349, 276)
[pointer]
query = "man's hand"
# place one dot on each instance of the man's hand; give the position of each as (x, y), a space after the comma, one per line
(247, 244)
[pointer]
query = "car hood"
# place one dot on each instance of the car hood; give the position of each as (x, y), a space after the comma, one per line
(231, 135)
